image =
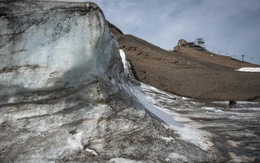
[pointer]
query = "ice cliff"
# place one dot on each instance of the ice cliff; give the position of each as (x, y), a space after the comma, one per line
(48, 46)
(67, 93)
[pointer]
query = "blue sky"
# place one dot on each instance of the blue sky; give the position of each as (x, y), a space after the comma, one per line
(230, 27)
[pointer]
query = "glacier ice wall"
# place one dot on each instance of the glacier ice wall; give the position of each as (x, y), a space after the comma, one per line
(44, 48)
(65, 94)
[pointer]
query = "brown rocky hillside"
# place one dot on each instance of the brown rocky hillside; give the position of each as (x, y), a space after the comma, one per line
(189, 72)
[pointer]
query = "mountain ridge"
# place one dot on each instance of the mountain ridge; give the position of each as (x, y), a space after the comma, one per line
(188, 72)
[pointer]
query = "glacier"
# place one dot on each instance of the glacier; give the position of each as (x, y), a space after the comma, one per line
(67, 94)
(50, 50)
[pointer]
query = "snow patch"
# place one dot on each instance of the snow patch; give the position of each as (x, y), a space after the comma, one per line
(74, 142)
(91, 151)
(176, 157)
(218, 111)
(120, 160)
(167, 139)
(249, 69)
(208, 108)
(184, 98)
(122, 55)
(126, 64)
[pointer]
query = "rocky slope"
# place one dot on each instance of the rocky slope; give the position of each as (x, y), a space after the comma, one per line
(189, 72)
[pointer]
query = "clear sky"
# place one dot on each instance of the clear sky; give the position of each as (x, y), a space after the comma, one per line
(230, 27)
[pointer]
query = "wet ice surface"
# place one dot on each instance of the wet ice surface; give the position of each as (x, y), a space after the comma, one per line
(171, 119)
(234, 131)
(79, 124)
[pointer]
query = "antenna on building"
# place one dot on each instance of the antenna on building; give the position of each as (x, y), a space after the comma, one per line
(243, 57)
(200, 42)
